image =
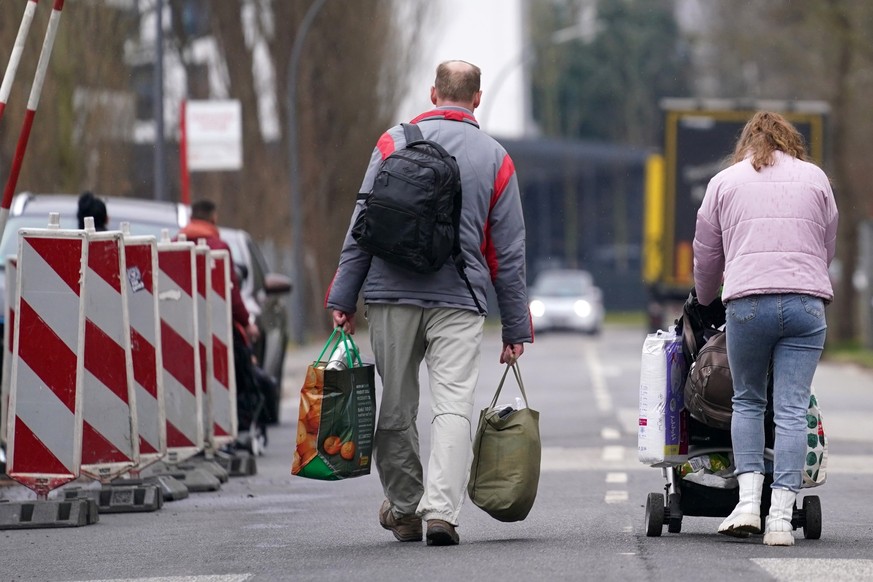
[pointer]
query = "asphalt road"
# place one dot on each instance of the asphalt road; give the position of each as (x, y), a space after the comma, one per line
(587, 523)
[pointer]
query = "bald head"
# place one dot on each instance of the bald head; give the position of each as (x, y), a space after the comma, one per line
(457, 83)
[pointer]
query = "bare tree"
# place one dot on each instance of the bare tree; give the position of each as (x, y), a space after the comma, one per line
(809, 49)
(83, 127)
(352, 76)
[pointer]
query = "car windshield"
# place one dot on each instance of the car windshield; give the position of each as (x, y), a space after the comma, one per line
(568, 285)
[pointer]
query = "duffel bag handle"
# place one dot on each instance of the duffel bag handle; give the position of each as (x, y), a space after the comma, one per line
(517, 372)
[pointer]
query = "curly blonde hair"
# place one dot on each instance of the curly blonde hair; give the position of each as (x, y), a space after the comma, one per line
(765, 133)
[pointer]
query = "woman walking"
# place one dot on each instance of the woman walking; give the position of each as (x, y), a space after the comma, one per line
(766, 231)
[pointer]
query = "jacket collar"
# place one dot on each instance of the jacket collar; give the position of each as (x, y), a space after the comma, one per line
(449, 112)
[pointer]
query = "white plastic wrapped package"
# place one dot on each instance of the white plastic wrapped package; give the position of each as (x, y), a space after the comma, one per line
(662, 439)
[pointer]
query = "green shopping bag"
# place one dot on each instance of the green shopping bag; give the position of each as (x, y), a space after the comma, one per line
(337, 415)
(506, 457)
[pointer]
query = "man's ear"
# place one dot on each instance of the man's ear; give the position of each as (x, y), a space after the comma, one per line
(477, 98)
(433, 95)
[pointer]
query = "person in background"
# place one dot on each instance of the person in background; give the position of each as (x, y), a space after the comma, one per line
(204, 224)
(767, 230)
(90, 205)
(433, 317)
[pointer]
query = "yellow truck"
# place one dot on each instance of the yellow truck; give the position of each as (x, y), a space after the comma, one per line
(699, 135)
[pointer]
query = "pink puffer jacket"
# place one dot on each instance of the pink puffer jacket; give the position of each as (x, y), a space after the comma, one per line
(772, 231)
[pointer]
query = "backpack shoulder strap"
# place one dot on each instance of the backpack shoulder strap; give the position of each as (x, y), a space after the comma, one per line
(412, 133)
(414, 137)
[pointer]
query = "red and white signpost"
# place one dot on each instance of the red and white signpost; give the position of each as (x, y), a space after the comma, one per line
(210, 139)
(32, 101)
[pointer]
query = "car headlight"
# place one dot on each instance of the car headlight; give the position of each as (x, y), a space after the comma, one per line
(582, 308)
(537, 308)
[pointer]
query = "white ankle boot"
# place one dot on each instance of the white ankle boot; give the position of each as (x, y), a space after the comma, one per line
(778, 531)
(745, 519)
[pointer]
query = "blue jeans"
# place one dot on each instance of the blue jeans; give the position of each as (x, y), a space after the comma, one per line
(790, 329)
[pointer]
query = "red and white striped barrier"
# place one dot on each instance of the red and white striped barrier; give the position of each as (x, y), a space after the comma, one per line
(204, 336)
(32, 103)
(8, 329)
(141, 259)
(222, 387)
(15, 56)
(45, 403)
(110, 436)
(183, 388)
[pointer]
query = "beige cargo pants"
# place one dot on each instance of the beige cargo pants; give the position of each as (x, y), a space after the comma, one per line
(449, 342)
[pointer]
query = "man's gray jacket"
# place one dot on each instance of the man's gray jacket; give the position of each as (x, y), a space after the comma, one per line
(492, 232)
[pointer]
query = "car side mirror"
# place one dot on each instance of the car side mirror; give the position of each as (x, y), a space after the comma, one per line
(242, 271)
(277, 284)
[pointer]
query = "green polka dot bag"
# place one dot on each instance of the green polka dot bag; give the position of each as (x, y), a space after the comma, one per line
(815, 466)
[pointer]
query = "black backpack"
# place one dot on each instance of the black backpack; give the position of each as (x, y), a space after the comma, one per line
(412, 215)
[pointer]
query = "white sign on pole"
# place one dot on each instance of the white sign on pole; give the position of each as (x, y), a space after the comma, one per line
(214, 135)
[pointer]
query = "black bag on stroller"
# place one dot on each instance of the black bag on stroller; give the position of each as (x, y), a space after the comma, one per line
(709, 386)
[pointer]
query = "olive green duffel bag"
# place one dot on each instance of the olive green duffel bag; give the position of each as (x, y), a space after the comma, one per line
(506, 457)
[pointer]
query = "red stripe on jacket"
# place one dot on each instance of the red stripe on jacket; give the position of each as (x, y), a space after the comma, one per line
(504, 174)
(385, 145)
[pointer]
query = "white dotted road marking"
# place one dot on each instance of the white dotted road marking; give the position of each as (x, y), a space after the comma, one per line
(616, 477)
(616, 496)
(613, 453)
(598, 380)
(610, 434)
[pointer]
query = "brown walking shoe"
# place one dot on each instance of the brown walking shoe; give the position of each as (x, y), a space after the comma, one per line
(405, 529)
(441, 533)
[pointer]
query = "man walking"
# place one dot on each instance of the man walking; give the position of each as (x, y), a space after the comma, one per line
(435, 317)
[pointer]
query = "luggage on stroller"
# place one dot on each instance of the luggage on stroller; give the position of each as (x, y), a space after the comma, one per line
(702, 485)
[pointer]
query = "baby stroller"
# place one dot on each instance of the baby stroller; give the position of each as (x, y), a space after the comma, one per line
(704, 486)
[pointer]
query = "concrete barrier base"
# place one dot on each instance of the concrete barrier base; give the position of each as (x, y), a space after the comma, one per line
(237, 463)
(74, 512)
(171, 488)
(209, 465)
(195, 478)
(121, 497)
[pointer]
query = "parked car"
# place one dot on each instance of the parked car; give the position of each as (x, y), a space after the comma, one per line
(261, 289)
(566, 299)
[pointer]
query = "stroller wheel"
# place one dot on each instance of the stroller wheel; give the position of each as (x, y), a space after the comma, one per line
(654, 514)
(674, 525)
(812, 511)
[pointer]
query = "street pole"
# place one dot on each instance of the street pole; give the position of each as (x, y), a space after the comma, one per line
(298, 304)
(158, 98)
